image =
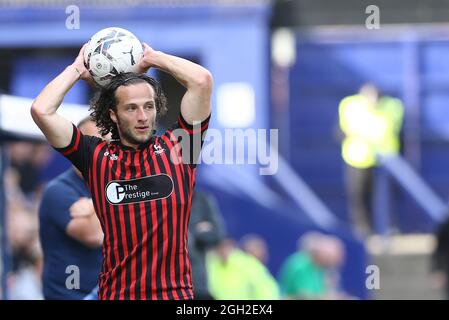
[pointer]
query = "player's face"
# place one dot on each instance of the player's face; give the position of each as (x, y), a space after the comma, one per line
(136, 113)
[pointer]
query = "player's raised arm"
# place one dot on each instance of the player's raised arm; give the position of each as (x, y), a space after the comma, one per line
(57, 129)
(196, 104)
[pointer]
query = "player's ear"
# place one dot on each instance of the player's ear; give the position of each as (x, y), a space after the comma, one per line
(113, 115)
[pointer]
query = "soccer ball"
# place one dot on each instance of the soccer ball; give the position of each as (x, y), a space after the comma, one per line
(112, 51)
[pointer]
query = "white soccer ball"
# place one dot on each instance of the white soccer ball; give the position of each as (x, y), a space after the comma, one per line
(112, 51)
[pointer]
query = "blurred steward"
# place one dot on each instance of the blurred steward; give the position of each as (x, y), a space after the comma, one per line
(234, 274)
(255, 246)
(371, 125)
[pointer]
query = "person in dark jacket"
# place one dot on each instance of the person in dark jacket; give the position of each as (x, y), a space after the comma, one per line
(206, 229)
(440, 258)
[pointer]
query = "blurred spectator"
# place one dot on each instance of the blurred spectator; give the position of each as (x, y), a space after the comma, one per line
(255, 246)
(14, 196)
(206, 229)
(371, 125)
(70, 234)
(313, 271)
(440, 259)
(23, 279)
(28, 159)
(233, 274)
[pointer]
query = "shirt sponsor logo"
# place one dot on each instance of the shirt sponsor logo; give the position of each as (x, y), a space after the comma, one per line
(139, 190)
(112, 156)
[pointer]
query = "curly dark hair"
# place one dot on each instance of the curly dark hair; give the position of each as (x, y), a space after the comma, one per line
(105, 99)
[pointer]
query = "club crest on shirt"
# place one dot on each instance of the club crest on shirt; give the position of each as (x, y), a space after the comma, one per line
(158, 149)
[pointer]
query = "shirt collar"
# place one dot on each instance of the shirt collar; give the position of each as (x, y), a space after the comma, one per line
(141, 146)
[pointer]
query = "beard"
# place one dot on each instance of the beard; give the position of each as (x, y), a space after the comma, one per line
(129, 134)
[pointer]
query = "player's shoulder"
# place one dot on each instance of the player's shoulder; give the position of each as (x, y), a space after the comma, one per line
(95, 140)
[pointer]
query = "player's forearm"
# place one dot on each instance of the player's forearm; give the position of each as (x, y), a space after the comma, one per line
(189, 74)
(51, 97)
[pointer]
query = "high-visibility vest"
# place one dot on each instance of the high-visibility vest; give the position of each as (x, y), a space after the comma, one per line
(369, 130)
(241, 277)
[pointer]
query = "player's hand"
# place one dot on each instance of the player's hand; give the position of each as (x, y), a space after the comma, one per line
(82, 208)
(147, 60)
(81, 67)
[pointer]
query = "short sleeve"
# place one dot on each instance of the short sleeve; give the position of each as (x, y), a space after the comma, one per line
(79, 151)
(189, 136)
(55, 205)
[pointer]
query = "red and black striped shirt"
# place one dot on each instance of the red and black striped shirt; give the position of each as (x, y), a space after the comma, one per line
(142, 198)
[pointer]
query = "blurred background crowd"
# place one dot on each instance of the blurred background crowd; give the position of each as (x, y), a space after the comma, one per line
(357, 91)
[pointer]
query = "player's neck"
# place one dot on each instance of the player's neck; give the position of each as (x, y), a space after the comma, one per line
(128, 144)
(133, 145)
